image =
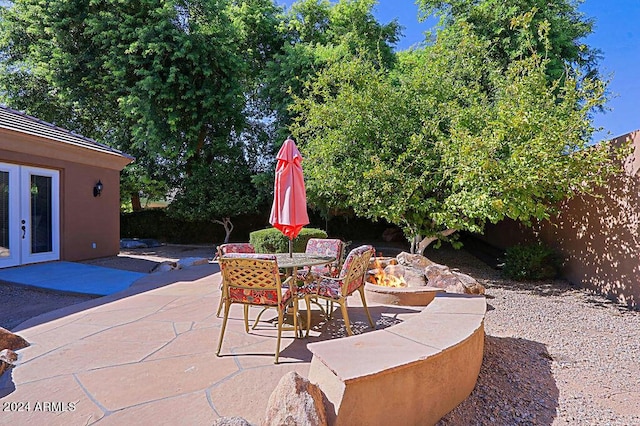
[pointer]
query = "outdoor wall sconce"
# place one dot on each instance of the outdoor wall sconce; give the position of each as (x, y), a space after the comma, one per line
(97, 190)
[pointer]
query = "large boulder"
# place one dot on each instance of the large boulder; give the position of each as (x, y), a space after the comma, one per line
(8, 340)
(451, 281)
(295, 402)
(9, 343)
(413, 260)
(191, 261)
(8, 359)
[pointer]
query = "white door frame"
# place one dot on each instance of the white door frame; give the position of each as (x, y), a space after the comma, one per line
(26, 216)
(20, 223)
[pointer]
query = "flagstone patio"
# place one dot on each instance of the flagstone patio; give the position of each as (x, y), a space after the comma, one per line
(147, 355)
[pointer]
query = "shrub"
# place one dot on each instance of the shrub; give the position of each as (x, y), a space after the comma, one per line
(271, 240)
(531, 262)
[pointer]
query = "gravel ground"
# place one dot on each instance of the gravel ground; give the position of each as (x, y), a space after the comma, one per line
(554, 354)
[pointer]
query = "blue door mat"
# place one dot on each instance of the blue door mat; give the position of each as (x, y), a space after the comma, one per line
(71, 277)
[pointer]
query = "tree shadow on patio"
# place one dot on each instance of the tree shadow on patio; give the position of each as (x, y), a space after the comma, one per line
(323, 329)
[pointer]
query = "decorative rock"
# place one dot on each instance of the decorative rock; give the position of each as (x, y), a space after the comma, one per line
(8, 356)
(452, 282)
(164, 267)
(8, 340)
(191, 261)
(382, 262)
(295, 402)
(7, 360)
(231, 421)
(395, 270)
(128, 243)
(414, 277)
(471, 285)
(415, 260)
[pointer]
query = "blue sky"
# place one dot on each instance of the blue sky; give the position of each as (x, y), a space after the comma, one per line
(616, 34)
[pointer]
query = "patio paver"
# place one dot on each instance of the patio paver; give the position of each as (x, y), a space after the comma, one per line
(150, 357)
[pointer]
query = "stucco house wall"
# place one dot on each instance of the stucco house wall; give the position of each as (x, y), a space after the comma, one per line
(598, 236)
(89, 226)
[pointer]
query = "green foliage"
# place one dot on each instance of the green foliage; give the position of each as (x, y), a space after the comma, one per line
(165, 81)
(531, 262)
(448, 140)
(319, 33)
(271, 240)
(156, 224)
(513, 29)
(215, 190)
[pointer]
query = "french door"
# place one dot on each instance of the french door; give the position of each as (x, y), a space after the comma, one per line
(29, 215)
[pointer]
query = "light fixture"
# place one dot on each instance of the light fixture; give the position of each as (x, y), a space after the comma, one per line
(97, 190)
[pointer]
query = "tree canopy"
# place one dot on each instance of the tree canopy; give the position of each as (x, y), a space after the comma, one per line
(552, 28)
(165, 81)
(448, 140)
(489, 120)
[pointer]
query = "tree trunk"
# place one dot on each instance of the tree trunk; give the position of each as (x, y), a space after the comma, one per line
(419, 244)
(228, 227)
(135, 202)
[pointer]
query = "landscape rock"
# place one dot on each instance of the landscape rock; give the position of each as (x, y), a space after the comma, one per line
(414, 260)
(471, 285)
(295, 402)
(8, 359)
(8, 340)
(191, 261)
(382, 262)
(231, 421)
(165, 266)
(452, 282)
(127, 243)
(415, 277)
(397, 271)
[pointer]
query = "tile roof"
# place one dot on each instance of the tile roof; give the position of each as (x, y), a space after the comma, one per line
(20, 122)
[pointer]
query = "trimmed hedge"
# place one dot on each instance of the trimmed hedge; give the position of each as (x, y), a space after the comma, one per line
(154, 223)
(271, 240)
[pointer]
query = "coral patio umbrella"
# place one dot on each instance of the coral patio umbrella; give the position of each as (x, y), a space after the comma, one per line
(289, 210)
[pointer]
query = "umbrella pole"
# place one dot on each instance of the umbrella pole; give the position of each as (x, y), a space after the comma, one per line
(290, 247)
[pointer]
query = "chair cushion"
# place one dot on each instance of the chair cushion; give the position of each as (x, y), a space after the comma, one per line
(352, 255)
(328, 288)
(236, 248)
(325, 247)
(259, 297)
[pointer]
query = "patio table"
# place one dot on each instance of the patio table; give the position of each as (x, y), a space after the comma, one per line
(292, 261)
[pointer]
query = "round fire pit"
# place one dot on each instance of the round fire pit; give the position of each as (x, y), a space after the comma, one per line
(405, 296)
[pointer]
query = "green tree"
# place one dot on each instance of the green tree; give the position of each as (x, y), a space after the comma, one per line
(429, 148)
(318, 33)
(500, 23)
(166, 81)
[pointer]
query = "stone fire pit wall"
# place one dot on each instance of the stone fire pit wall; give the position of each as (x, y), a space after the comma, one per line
(410, 374)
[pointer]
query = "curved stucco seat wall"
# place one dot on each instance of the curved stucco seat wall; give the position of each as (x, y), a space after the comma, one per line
(410, 374)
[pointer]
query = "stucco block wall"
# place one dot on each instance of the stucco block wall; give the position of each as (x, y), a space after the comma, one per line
(598, 236)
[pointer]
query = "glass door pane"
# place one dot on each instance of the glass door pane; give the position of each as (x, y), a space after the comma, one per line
(5, 231)
(41, 214)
